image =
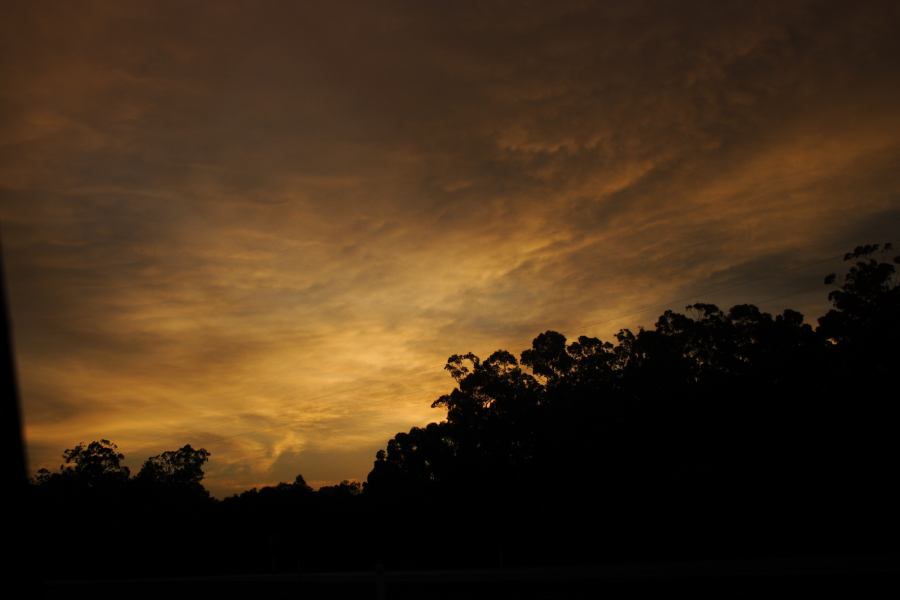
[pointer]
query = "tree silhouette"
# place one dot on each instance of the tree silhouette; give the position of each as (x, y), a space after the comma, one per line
(343, 490)
(863, 331)
(866, 306)
(182, 467)
(173, 478)
(734, 404)
(95, 463)
(715, 432)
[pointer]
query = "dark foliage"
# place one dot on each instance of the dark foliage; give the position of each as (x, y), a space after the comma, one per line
(716, 433)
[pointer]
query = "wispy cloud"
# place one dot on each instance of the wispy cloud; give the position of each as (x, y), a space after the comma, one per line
(261, 228)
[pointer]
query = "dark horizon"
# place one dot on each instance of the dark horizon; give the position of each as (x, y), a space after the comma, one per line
(722, 445)
(882, 251)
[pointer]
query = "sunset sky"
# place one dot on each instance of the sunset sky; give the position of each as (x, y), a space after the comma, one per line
(262, 227)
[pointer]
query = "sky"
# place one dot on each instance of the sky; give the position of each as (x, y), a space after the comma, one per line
(262, 227)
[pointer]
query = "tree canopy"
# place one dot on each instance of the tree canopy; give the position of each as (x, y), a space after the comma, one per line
(716, 429)
(182, 467)
(706, 398)
(97, 462)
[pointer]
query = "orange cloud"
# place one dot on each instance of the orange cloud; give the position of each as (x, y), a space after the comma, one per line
(262, 229)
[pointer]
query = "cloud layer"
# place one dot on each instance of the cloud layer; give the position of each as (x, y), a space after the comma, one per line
(261, 228)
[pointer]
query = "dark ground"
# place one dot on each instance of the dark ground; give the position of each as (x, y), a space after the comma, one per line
(770, 576)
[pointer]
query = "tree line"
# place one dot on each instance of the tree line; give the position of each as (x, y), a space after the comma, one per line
(717, 432)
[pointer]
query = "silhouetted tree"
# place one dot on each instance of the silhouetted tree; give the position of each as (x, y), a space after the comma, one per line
(182, 467)
(94, 463)
(866, 309)
(863, 331)
(733, 404)
(344, 489)
(173, 479)
(714, 432)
